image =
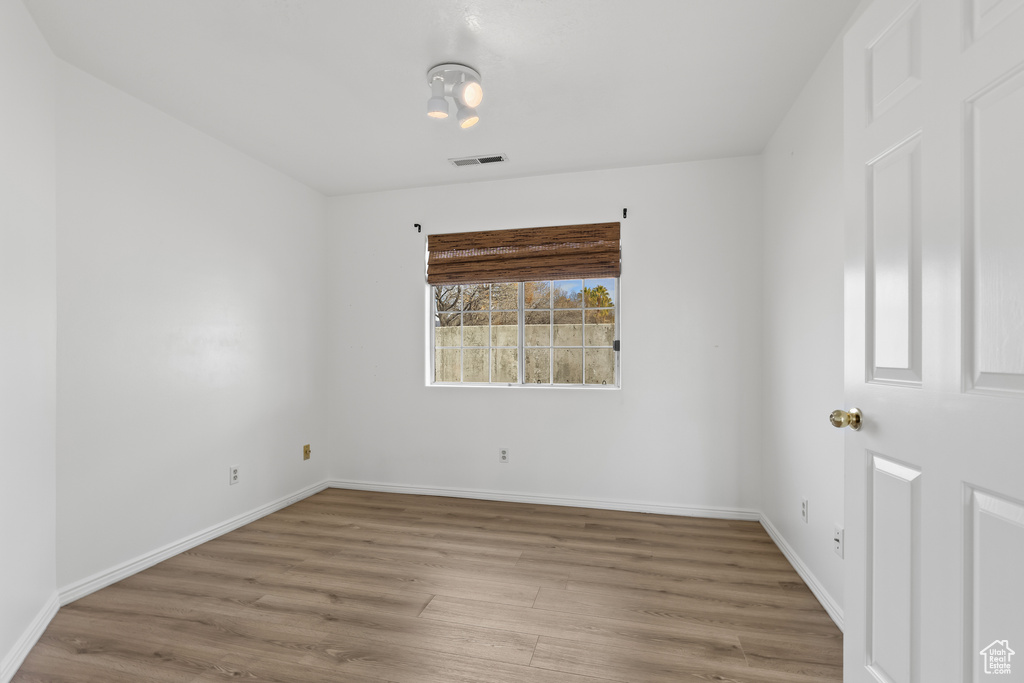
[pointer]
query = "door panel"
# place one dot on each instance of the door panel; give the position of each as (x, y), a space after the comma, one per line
(934, 355)
(984, 15)
(894, 264)
(995, 533)
(995, 311)
(894, 62)
(893, 547)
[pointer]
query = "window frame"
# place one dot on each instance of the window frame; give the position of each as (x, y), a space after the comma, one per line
(521, 347)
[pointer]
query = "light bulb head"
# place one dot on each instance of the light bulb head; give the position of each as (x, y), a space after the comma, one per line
(437, 108)
(437, 105)
(468, 117)
(469, 93)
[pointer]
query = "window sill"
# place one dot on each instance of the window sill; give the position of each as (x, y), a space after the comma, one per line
(533, 387)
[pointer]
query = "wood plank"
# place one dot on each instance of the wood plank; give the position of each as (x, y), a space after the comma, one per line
(668, 610)
(416, 561)
(49, 664)
(617, 663)
(809, 656)
(385, 576)
(710, 644)
(263, 670)
(94, 647)
(338, 591)
(204, 635)
(767, 595)
(236, 566)
(709, 560)
(342, 622)
(356, 657)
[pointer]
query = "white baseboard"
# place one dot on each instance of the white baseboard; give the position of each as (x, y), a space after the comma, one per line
(830, 605)
(483, 494)
(12, 660)
(80, 589)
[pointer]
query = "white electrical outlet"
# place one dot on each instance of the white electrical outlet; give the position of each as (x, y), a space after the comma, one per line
(503, 455)
(233, 474)
(837, 540)
(803, 509)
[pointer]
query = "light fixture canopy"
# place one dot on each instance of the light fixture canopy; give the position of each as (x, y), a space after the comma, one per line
(462, 84)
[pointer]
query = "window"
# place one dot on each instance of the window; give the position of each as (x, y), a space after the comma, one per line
(543, 332)
(536, 306)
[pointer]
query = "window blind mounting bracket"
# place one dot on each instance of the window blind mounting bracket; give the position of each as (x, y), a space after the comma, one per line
(615, 345)
(419, 228)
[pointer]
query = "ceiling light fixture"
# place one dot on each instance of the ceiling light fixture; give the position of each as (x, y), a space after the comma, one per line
(460, 83)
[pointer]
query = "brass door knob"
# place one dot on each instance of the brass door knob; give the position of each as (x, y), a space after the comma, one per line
(841, 418)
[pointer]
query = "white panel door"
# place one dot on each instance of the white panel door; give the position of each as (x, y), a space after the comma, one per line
(934, 354)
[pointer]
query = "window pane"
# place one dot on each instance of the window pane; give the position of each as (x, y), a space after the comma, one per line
(600, 329)
(504, 329)
(568, 328)
(446, 298)
(447, 365)
(476, 297)
(599, 293)
(505, 296)
(504, 365)
(600, 316)
(537, 294)
(600, 366)
(538, 366)
(475, 329)
(447, 330)
(474, 365)
(568, 366)
(538, 328)
(568, 294)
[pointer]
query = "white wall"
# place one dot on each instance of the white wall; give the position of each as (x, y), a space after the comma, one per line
(27, 331)
(684, 430)
(191, 294)
(803, 323)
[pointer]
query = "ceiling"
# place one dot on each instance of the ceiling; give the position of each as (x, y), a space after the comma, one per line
(334, 92)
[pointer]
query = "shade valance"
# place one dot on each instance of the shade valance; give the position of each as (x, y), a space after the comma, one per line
(552, 253)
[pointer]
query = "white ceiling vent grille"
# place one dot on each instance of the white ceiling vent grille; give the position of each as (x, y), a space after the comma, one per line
(477, 161)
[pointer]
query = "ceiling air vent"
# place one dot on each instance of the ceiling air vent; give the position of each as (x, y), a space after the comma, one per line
(477, 161)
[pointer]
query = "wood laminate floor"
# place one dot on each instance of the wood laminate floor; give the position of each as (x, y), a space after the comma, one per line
(359, 586)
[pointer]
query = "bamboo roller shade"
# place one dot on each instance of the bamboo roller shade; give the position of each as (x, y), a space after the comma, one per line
(553, 253)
